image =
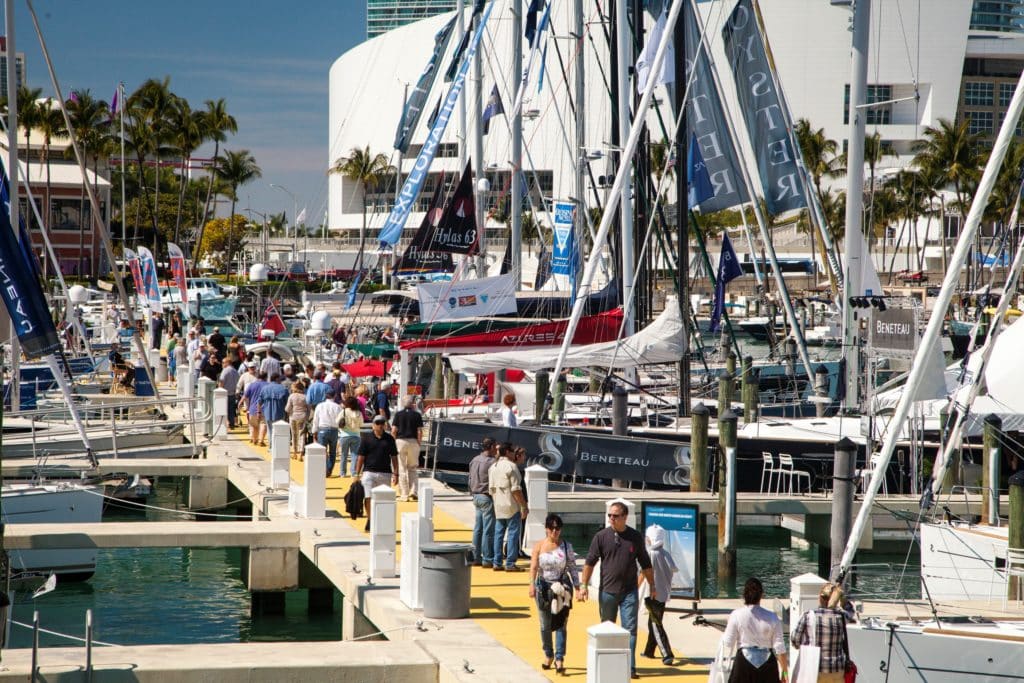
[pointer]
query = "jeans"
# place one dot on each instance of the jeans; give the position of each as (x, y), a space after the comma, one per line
(627, 605)
(483, 528)
(348, 447)
(511, 554)
(232, 411)
(544, 612)
(328, 438)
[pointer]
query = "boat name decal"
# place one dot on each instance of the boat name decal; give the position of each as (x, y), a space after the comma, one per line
(586, 456)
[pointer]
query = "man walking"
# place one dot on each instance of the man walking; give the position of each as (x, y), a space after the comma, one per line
(377, 461)
(272, 400)
(229, 382)
(326, 418)
(407, 428)
(505, 486)
(156, 330)
(620, 549)
(483, 525)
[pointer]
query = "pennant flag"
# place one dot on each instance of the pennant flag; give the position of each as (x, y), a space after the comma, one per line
(437, 110)
(418, 258)
(543, 68)
(493, 108)
(113, 102)
(728, 269)
(150, 287)
(395, 223)
(272, 321)
(74, 96)
(20, 289)
(136, 270)
(699, 187)
(643, 62)
(543, 266)
(301, 217)
(414, 104)
(177, 259)
(762, 111)
(456, 232)
(453, 66)
(531, 21)
(705, 118)
(353, 290)
(564, 245)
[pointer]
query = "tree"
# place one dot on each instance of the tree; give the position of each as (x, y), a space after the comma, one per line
(51, 125)
(949, 154)
(874, 151)
(216, 124)
(90, 123)
(222, 240)
(368, 170)
(236, 169)
(28, 119)
(187, 137)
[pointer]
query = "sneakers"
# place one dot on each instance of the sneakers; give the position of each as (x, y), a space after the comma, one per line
(486, 565)
(413, 497)
(498, 568)
(514, 568)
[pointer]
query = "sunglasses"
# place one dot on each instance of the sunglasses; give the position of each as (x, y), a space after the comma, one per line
(555, 528)
(615, 515)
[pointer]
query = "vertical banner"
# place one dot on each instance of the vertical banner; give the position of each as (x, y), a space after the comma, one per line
(136, 269)
(150, 287)
(762, 111)
(414, 105)
(562, 261)
(395, 223)
(177, 259)
(681, 524)
(706, 124)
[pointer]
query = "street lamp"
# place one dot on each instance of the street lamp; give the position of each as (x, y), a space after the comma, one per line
(295, 206)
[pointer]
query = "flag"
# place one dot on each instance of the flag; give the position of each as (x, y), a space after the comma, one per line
(531, 21)
(493, 108)
(272, 321)
(136, 270)
(453, 66)
(177, 260)
(74, 96)
(543, 67)
(113, 102)
(643, 62)
(418, 258)
(437, 110)
(353, 290)
(728, 269)
(543, 266)
(699, 187)
(150, 287)
(414, 103)
(456, 232)
(301, 217)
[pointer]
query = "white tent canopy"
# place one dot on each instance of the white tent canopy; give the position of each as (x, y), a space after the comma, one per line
(659, 342)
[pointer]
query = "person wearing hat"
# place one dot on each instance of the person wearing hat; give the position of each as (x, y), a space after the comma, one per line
(376, 461)
(217, 341)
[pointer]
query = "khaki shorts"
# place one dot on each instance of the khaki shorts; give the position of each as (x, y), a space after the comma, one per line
(371, 480)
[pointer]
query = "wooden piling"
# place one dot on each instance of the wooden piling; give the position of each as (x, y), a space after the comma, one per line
(842, 500)
(726, 497)
(699, 448)
(990, 457)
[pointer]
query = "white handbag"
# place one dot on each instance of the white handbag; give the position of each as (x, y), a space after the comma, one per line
(807, 657)
(721, 667)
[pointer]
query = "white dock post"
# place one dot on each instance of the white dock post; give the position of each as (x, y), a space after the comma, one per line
(220, 413)
(425, 502)
(803, 596)
(206, 386)
(537, 494)
(607, 653)
(307, 500)
(156, 365)
(416, 530)
(382, 532)
(184, 381)
(280, 455)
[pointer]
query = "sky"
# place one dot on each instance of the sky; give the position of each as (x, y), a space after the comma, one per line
(268, 60)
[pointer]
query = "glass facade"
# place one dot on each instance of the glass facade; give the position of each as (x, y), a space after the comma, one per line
(384, 15)
(998, 15)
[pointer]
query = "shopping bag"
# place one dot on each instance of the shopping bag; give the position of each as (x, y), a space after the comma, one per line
(808, 657)
(721, 667)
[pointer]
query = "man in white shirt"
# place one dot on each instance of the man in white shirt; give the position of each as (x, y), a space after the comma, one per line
(326, 418)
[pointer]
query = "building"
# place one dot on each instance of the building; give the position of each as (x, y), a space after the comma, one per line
(19, 65)
(998, 15)
(385, 15)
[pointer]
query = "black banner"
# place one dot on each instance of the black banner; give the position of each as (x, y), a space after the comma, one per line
(414, 104)
(456, 231)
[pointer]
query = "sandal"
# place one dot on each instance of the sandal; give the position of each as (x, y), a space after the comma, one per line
(546, 665)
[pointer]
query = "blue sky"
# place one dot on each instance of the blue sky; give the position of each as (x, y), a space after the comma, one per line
(268, 60)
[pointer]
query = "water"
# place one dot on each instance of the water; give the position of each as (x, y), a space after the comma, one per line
(143, 596)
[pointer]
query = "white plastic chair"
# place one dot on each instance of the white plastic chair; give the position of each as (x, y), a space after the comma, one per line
(768, 468)
(1014, 570)
(869, 471)
(786, 468)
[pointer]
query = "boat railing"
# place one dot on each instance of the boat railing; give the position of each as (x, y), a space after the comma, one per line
(965, 492)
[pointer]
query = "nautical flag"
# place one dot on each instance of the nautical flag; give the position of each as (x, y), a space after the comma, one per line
(456, 232)
(543, 266)
(177, 260)
(643, 62)
(301, 217)
(150, 287)
(136, 270)
(406, 199)
(531, 21)
(763, 112)
(728, 269)
(353, 290)
(74, 96)
(113, 102)
(453, 66)
(414, 104)
(699, 188)
(272, 321)
(418, 257)
(433, 114)
(543, 67)
(493, 108)
(21, 291)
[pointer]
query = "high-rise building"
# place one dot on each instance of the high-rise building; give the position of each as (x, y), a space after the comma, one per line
(384, 15)
(3, 67)
(998, 15)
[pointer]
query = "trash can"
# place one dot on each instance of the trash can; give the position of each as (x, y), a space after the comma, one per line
(445, 579)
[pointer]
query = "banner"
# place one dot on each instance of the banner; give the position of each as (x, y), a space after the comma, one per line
(177, 259)
(414, 104)
(681, 522)
(564, 254)
(762, 111)
(728, 269)
(150, 287)
(136, 268)
(643, 62)
(23, 296)
(467, 299)
(456, 231)
(393, 226)
(705, 120)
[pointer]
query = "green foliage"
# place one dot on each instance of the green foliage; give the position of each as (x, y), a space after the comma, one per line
(222, 240)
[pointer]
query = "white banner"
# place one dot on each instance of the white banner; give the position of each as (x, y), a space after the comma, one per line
(468, 298)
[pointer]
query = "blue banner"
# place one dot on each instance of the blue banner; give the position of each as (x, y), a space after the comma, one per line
(563, 251)
(151, 288)
(728, 269)
(414, 104)
(23, 295)
(392, 230)
(762, 111)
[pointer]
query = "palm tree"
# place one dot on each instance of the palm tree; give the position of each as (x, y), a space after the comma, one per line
(950, 150)
(50, 125)
(822, 160)
(28, 119)
(874, 151)
(188, 136)
(216, 123)
(90, 123)
(367, 169)
(236, 169)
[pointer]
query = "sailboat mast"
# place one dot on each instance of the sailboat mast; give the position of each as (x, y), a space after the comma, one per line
(460, 9)
(12, 173)
(855, 201)
(516, 197)
(624, 59)
(481, 168)
(580, 95)
(682, 213)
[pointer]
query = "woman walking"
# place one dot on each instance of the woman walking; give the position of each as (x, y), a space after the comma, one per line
(758, 635)
(553, 577)
(351, 425)
(297, 410)
(824, 628)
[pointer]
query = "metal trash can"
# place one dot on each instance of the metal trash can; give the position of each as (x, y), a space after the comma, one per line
(445, 579)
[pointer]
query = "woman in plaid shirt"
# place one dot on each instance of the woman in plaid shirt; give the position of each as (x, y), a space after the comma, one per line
(829, 634)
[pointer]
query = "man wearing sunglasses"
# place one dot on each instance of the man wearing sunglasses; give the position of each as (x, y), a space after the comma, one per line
(620, 549)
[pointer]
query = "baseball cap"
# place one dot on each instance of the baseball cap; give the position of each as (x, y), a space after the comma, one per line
(379, 420)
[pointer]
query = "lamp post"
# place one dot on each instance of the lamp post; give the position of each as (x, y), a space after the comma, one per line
(295, 206)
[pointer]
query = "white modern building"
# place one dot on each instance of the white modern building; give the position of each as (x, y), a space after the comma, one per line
(926, 63)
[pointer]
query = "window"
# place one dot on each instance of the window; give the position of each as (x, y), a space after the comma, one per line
(978, 93)
(64, 214)
(1019, 131)
(1005, 94)
(875, 116)
(980, 122)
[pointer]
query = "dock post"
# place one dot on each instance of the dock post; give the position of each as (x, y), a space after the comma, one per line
(699, 448)
(608, 654)
(416, 530)
(382, 532)
(184, 380)
(991, 457)
(308, 500)
(437, 377)
(727, 497)
(280, 451)
(842, 500)
(953, 466)
(561, 387)
(725, 381)
(748, 391)
(220, 413)
(206, 387)
(1015, 540)
(791, 358)
(820, 391)
(730, 363)
(542, 385)
(536, 485)
(620, 422)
